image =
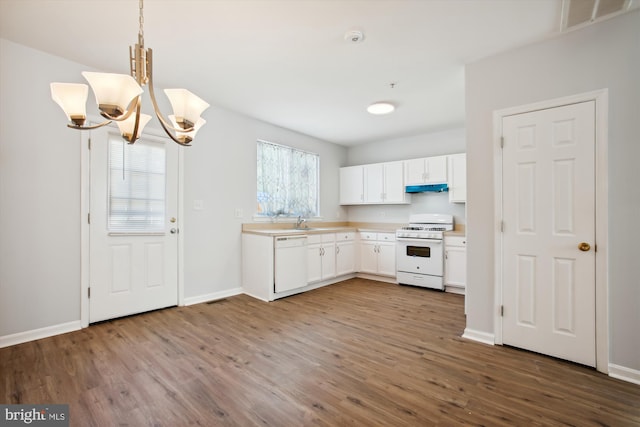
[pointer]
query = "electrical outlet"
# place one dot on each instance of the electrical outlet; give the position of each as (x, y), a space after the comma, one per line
(198, 205)
(383, 214)
(239, 213)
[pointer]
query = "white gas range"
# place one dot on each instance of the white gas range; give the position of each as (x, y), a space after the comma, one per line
(420, 250)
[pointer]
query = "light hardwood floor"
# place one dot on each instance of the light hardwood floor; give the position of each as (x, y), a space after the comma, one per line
(357, 353)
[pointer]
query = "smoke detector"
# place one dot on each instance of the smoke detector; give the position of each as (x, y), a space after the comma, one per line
(354, 36)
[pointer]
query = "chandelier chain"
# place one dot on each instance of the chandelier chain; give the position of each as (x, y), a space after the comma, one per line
(141, 21)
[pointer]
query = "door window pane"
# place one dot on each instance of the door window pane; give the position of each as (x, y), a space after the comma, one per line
(137, 186)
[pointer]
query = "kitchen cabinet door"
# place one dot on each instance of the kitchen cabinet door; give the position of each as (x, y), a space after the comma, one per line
(369, 257)
(455, 263)
(394, 189)
(328, 260)
(345, 258)
(436, 170)
(374, 183)
(314, 263)
(387, 258)
(455, 266)
(414, 171)
(457, 180)
(351, 185)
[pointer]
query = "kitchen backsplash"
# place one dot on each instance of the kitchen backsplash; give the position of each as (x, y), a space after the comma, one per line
(420, 203)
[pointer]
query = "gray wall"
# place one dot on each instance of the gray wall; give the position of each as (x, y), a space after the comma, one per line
(40, 212)
(604, 55)
(39, 195)
(449, 141)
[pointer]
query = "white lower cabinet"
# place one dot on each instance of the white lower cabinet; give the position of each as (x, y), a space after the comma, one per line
(321, 257)
(455, 263)
(378, 253)
(345, 253)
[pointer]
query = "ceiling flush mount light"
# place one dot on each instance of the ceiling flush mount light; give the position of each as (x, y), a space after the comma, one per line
(380, 108)
(119, 99)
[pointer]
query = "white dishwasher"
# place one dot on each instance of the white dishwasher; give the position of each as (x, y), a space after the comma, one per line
(290, 263)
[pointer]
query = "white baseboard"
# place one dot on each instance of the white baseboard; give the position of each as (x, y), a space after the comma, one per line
(479, 336)
(377, 278)
(625, 374)
(212, 296)
(36, 334)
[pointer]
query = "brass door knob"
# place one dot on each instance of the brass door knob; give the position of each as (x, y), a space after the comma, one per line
(584, 246)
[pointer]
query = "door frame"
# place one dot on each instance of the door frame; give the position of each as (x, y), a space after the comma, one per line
(85, 205)
(601, 98)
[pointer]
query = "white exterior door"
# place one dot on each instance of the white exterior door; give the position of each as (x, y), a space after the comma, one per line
(133, 245)
(549, 232)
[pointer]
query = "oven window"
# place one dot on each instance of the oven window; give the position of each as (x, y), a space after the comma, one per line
(421, 251)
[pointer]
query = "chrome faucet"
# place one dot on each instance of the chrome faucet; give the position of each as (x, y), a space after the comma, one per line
(300, 222)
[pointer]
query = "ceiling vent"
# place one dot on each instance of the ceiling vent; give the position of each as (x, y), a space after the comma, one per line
(578, 13)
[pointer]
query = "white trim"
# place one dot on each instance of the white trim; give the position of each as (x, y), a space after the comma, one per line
(85, 198)
(624, 374)
(212, 296)
(181, 226)
(36, 334)
(479, 336)
(601, 98)
(386, 279)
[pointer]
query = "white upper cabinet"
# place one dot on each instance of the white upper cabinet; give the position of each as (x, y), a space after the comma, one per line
(352, 185)
(394, 183)
(379, 183)
(427, 170)
(457, 178)
(374, 183)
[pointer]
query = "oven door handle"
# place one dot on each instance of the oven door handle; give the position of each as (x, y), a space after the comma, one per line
(409, 239)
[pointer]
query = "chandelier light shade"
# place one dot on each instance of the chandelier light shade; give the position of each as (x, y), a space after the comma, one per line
(72, 98)
(187, 107)
(114, 92)
(185, 137)
(127, 126)
(119, 99)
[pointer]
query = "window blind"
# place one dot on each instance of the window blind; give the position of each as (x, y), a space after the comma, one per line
(137, 187)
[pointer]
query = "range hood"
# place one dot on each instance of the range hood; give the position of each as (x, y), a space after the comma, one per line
(432, 188)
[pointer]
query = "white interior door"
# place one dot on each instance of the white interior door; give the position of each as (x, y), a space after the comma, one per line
(549, 232)
(133, 245)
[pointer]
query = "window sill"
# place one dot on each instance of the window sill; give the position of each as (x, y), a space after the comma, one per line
(284, 219)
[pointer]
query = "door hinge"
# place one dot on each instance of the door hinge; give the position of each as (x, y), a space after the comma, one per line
(501, 310)
(502, 226)
(89, 144)
(89, 292)
(502, 142)
(89, 218)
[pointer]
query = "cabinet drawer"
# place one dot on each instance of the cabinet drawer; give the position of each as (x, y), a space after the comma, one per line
(455, 241)
(328, 238)
(367, 235)
(344, 237)
(387, 237)
(313, 239)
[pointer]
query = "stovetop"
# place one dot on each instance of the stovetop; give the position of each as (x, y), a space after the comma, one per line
(426, 226)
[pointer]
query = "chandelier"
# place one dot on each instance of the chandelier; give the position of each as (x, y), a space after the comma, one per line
(119, 99)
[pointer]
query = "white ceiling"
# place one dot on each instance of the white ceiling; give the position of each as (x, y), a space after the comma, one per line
(287, 62)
